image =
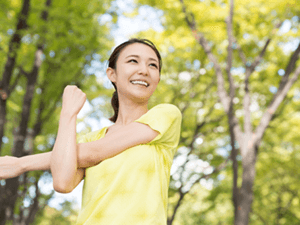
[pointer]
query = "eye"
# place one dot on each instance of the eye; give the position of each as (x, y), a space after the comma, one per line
(153, 64)
(132, 60)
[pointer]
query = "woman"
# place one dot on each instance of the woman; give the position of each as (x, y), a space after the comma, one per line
(126, 167)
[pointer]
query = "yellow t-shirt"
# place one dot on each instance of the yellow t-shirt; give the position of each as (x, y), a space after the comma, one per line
(131, 188)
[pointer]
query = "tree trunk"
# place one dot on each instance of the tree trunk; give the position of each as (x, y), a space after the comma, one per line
(14, 46)
(34, 207)
(246, 191)
(235, 189)
(248, 140)
(12, 185)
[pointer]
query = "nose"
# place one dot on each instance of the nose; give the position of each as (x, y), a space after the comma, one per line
(143, 69)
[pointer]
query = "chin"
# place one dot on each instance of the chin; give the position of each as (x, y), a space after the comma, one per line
(141, 96)
(141, 99)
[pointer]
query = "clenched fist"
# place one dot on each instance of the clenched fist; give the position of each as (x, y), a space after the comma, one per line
(10, 167)
(73, 100)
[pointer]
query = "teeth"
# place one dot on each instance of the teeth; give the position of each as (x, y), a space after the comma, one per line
(139, 82)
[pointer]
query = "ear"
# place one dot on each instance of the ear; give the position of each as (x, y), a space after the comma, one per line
(111, 74)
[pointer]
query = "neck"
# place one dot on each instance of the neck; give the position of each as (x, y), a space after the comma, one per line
(130, 111)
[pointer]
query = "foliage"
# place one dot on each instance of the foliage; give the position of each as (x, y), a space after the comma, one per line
(70, 38)
(53, 216)
(73, 41)
(254, 22)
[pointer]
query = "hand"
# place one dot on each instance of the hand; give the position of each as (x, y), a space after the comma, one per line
(10, 167)
(73, 100)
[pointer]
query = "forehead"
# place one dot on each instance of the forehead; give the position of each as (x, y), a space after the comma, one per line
(139, 49)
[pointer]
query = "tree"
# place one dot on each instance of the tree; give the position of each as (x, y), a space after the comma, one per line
(247, 55)
(194, 92)
(51, 46)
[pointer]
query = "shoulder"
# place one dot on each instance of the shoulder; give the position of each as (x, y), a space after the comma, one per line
(165, 112)
(167, 109)
(164, 118)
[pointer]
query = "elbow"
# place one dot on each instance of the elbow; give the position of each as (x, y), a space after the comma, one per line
(62, 182)
(62, 187)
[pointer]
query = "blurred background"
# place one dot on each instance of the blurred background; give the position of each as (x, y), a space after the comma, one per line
(231, 67)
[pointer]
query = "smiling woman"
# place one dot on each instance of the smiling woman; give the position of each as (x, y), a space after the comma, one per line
(125, 167)
(133, 56)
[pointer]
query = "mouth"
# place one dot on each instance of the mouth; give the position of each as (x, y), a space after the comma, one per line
(140, 82)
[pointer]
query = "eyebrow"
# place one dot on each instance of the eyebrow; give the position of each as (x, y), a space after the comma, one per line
(136, 56)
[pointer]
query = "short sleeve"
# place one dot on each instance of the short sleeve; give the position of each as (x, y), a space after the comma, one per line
(166, 119)
(91, 136)
(81, 139)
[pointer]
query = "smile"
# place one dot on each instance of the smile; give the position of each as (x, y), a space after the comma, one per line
(140, 82)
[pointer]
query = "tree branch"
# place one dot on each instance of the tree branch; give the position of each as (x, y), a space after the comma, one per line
(222, 93)
(247, 100)
(182, 194)
(241, 52)
(258, 59)
(230, 50)
(199, 126)
(189, 17)
(23, 194)
(15, 82)
(187, 105)
(283, 89)
(33, 209)
(235, 191)
(12, 87)
(215, 170)
(289, 68)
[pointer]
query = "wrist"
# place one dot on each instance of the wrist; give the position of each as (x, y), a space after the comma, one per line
(24, 164)
(67, 116)
(39, 161)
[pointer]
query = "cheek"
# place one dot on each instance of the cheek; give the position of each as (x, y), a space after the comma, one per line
(157, 79)
(156, 83)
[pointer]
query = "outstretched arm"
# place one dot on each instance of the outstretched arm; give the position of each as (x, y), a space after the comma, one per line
(12, 166)
(88, 154)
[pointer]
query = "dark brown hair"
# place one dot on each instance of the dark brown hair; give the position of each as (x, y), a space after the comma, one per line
(112, 63)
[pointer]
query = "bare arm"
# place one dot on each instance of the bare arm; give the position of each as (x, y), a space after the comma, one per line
(92, 153)
(12, 167)
(68, 159)
(133, 134)
(63, 162)
(88, 154)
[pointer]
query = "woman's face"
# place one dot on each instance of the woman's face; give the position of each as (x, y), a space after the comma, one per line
(137, 72)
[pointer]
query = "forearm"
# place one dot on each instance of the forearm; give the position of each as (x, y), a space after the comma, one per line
(36, 162)
(42, 161)
(64, 156)
(114, 143)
